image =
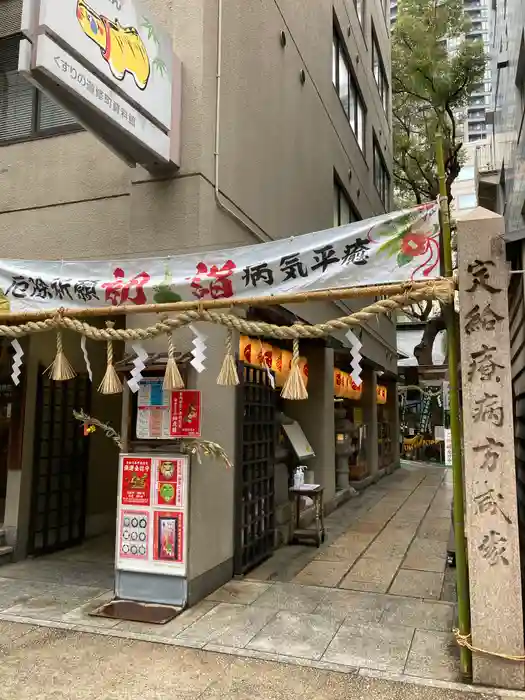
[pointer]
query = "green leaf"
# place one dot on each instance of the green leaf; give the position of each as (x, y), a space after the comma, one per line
(403, 259)
(160, 66)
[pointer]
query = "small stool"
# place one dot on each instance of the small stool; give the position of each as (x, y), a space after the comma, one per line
(317, 533)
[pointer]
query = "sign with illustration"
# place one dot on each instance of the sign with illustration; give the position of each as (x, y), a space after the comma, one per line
(396, 247)
(185, 414)
(153, 410)
(116, 61)
(136, 481)
(151, 526)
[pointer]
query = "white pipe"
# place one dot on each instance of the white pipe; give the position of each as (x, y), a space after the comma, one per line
(260, 236)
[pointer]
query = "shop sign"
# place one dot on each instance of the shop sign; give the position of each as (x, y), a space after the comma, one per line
(185, 414)
(152, 538)
(448, 447)
(111, 66)
(136, 481)
(153, 410)
(394, 247)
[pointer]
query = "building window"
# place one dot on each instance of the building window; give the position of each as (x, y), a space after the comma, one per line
(360, 9)
(25, 111)
(379, 73)
(348, 90)
(344, 210)
(381, 177)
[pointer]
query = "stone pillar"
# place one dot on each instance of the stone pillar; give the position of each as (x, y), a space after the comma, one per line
(369, 401)
(316, 416)
(489, 462)
(393, 414)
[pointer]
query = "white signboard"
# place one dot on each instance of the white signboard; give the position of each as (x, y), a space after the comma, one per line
(55, 62)
(115, 62)
(448, 447)
(396, 247)
(298, 440)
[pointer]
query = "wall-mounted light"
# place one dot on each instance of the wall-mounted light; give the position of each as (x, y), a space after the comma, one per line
(282, 37)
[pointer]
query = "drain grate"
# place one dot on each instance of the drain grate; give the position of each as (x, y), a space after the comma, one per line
(137, 612)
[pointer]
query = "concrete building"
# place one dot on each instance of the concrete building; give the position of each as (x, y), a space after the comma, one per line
(299, 141)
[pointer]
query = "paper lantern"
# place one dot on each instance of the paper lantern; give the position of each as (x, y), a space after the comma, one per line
(281, 365)
(381, 394)
(264, 354)
(303, 367)
(245, 349)
(338, 382)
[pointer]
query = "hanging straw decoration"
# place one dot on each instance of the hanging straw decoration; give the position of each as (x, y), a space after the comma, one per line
(294, 388)
(111, 383)
(228, 375)
(172, 378)
(60, 369)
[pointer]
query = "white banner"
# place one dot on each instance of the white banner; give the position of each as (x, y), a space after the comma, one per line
(395, 247)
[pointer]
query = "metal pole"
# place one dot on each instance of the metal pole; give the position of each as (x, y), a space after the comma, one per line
(455, 427)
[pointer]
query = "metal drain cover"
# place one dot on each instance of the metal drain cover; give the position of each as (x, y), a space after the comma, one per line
(137, 612)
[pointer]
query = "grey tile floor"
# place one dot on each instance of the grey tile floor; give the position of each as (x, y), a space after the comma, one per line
(375, 596)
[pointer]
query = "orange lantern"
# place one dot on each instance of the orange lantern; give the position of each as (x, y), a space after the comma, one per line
(303, 368)
(381, 394)
(281, 363)
(338, 382)
(264, 354)
(246, 350)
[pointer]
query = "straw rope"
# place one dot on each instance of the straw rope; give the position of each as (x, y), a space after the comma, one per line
(463, 640)
(442, 290)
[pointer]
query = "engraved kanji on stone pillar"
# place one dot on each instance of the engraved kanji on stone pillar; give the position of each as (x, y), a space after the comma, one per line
(491, 525)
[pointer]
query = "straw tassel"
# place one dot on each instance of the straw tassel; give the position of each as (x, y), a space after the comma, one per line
(172, 377)
(228, 375)
(111, 383)
(294, 388)
(60, 369)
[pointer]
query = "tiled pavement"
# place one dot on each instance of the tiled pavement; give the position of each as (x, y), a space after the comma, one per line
(374, 596)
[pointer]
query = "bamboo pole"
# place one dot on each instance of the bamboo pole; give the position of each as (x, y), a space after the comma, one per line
(387, 290)
(455, 428)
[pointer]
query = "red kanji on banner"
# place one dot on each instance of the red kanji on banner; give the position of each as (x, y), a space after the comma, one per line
(121, 292)
(215, 283)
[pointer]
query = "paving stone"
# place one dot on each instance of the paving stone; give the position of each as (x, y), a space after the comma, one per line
(418, 613)
(371, 574)
(370, 646)
(426, 555)
(53, 602)
(340, 553)
(229, 625)
(170, 629)
(322, 573)
(357, 608)
(434, 655)
(296, 634)
(243, 592)
(291, 597)
(435, 528)
(417, 584)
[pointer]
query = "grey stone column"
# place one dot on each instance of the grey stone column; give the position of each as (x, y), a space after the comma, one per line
(489, 462)
(369, 401)
(316, 416)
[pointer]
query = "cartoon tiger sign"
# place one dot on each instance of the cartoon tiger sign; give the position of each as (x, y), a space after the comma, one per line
(121, 47)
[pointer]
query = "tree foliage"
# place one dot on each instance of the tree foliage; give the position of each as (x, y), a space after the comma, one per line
(434, 69)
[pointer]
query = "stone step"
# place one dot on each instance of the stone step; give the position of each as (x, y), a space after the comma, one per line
(6, 555)
(2, 537)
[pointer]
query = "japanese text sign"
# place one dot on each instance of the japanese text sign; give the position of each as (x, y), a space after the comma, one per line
(390, 248)
(136, 481)
(488, 432)
(185, 414)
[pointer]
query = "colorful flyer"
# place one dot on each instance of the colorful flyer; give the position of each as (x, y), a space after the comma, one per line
(133, 534)
(136, 481)
(168, 536)
(169, 476)
(153, 410)
(185, 414)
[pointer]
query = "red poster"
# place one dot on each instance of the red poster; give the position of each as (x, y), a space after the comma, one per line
(136, 481)
(185, 414)
(170, 476)
(168, 536)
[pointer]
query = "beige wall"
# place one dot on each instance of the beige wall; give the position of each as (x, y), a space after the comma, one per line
(280, 143)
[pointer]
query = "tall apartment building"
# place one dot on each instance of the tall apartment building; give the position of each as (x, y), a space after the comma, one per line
(475, 129)
(299, 141)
